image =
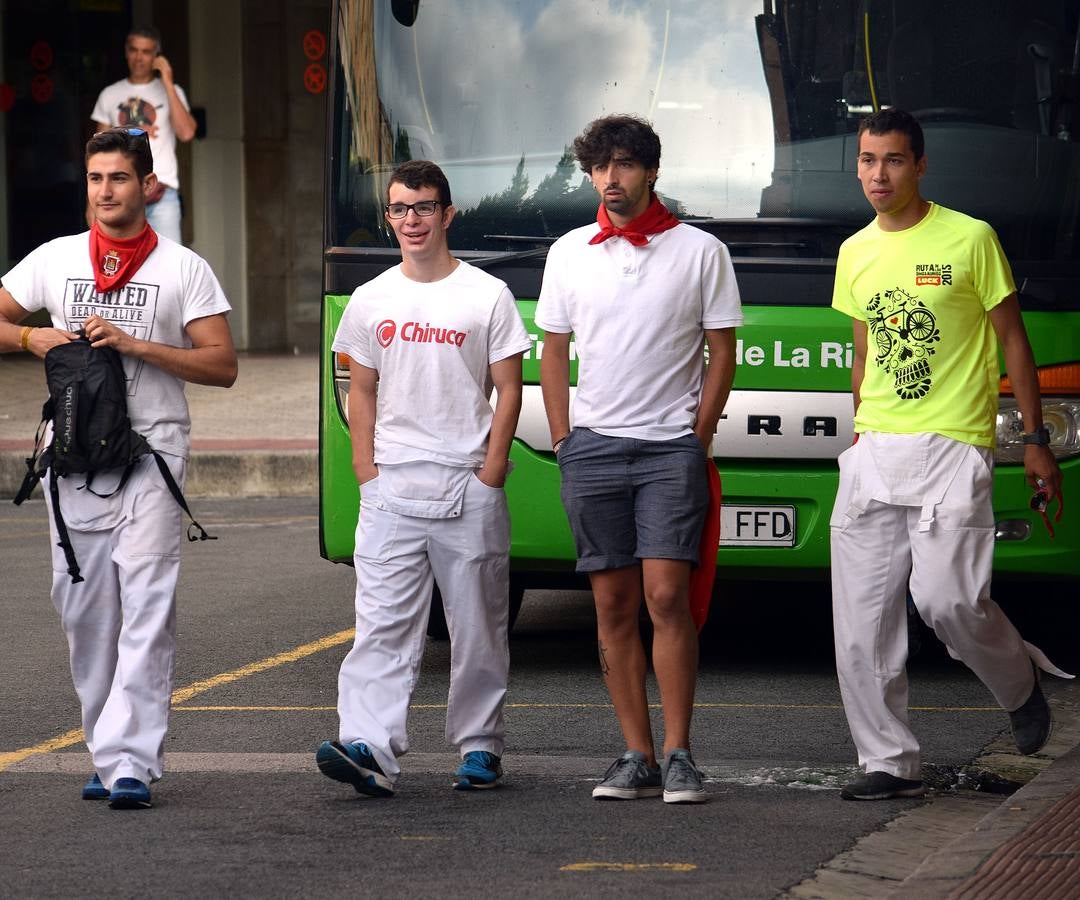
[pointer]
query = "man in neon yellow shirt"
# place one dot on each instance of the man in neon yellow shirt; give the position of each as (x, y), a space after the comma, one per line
(930, 295)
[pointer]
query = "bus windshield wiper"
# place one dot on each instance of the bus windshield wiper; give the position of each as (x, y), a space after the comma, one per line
(521, 238)
(483, 262)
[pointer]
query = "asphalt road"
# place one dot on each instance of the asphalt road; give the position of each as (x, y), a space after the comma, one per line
(242, 810)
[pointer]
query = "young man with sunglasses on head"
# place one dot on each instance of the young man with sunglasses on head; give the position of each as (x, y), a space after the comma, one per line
(149, 99)
(642, 295)
(433, 335)
(159, 306)
(931, 297)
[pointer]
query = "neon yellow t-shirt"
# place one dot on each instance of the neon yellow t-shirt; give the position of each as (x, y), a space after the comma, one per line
(924, 294)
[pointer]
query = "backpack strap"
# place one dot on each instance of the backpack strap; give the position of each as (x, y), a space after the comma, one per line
(30, 481)
(174, 489)
(39, 462)
(119, 487)
(62, 532)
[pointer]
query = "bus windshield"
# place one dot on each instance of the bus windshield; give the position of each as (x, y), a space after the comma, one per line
(757, 105)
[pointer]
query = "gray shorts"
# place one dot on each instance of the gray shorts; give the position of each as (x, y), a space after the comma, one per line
(629, 499)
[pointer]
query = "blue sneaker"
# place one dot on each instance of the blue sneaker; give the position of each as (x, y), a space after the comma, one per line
(129, 793)
(95, 790)
(353, 764)
(479, 770)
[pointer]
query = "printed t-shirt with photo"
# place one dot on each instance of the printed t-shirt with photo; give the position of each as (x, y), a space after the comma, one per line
(173, 287)
(432, 344)
(924, 294)
(131, 105)
(638, 315)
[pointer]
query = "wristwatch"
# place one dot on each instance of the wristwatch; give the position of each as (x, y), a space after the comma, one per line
(1040, 435)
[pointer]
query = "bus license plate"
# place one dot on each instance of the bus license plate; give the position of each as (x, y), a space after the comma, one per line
(757, 526)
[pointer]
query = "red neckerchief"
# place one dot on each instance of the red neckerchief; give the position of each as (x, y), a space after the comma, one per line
(116, 260)
(655, 219)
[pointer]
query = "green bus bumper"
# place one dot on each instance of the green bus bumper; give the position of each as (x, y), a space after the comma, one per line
(541, 543)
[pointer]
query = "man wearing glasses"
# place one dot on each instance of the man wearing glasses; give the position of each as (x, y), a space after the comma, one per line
(434, 335)
(159, 306)
(149, 99)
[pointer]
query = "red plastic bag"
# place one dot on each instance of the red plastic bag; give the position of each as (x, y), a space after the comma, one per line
(702, 577)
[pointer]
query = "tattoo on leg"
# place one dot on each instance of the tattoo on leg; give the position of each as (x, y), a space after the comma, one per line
(604, 667)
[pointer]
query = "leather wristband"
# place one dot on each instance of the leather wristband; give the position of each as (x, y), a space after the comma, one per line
(1040, 436)
(24, 338)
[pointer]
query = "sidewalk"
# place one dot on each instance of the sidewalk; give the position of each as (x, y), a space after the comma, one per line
(966, 844)
(259, 438)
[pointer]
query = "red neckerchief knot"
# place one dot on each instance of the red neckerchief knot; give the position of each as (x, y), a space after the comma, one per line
(116, 260)
(655, 219)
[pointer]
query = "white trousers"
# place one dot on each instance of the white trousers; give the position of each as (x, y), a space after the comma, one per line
(914, 512)
(397, 558)
(120, 621)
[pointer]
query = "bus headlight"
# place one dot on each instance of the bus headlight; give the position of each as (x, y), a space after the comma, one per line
(1060, 414)
(341, 384)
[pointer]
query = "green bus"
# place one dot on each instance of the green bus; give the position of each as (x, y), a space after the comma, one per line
(757, 104)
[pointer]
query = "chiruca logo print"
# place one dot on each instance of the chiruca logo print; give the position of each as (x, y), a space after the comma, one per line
(385, 331)
(903, 333)
(417, 333)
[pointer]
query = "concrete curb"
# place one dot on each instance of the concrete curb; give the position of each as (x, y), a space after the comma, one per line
(929, 851)
(215, 473)
(960, 860)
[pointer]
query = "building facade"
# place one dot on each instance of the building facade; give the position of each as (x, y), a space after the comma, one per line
(252, 182)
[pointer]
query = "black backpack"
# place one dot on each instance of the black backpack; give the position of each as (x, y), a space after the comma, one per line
(91, 433)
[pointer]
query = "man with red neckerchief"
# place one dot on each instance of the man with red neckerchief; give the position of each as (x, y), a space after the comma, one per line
(160, 307)
(642, 295)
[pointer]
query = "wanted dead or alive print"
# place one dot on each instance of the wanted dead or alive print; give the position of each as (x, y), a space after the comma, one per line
(133, 308)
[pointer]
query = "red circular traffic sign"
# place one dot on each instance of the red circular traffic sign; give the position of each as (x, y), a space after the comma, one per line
(314, 45)
(315, 78)
(41, 88)
(41, 55)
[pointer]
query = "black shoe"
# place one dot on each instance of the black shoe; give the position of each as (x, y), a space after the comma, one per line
(881, 786)
(1032, 722)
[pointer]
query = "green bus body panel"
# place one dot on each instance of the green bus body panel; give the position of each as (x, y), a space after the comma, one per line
(540, 536)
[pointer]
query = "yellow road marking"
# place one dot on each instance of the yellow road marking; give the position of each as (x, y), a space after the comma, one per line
(626, 867)
(834, 706)
(255, 708)
(201, 687)
(7, 760)
(75, 736)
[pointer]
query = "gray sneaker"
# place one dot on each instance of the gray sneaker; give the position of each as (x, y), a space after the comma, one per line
(628, 778)
(682, 780)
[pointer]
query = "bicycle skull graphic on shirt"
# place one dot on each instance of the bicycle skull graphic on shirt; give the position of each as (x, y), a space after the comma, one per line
(903, 331)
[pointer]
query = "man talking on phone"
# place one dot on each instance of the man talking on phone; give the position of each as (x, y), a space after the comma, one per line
(149, 99)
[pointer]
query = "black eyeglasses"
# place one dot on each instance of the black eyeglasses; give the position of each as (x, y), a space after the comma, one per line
(401, 210)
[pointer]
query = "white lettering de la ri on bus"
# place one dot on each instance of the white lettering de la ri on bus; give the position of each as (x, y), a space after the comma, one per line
(831, 354)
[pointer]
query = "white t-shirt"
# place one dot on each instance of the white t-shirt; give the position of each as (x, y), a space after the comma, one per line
(172, 287)
(432, 344)
(638, 315)
(125, 103)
